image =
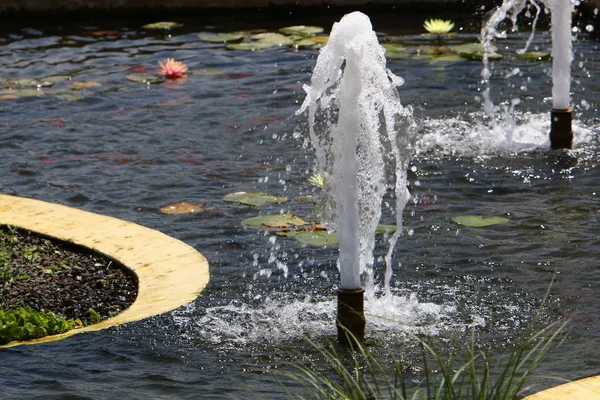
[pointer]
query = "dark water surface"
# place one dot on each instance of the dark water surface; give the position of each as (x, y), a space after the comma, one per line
(125, 149)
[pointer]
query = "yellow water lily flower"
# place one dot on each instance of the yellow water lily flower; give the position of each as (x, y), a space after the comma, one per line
(438, 26)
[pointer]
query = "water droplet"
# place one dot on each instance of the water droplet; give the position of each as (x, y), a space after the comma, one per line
(590, 27)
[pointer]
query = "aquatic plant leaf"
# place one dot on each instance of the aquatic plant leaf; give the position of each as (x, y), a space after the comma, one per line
(57, 78)
(301, 30)
(145, 78)
(273, 38)
(536, 55)
(162, 25)
(479, 220)
(382, 228)
(254, 198)
(28, 93)
(393, 46)
(307, 43)
(251, 46)
(317, 238)
(184, 208)
(86, 84)
(221, 37)
(282, 221)
(109, 32)
(475, 51)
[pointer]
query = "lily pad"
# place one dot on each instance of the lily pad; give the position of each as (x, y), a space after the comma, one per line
(57, 78)
(479, 220)
(536, 55)
(317, 238)
(162, 25)
(27, 82)
(381, 228)
(184, 208)
(254, 198)
(145, 78)
(221, 37)
(277, 39)
(301, 30)
(475, 52)
(251, 46)
(280, 221)
(86, 84)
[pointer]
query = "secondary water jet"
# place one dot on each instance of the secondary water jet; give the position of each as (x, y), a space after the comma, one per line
(561, 133)
(362, 136)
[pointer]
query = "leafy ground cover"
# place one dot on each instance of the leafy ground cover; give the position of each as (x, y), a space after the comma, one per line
(49, 281)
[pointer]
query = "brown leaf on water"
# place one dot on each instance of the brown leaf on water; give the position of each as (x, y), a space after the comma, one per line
(109, 32)
(184, 208)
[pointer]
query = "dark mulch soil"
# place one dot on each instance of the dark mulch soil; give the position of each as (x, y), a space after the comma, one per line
(46, 274)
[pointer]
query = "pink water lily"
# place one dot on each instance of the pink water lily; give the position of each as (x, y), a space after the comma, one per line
(172, 69)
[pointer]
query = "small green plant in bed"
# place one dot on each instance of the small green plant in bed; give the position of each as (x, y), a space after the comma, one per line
(25, 323)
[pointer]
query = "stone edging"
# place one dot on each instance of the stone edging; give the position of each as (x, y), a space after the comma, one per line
(582, 389)
(170, 273)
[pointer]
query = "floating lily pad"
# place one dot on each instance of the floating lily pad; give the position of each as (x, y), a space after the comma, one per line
(254, 198)
(162, 25)
(479, 220)
(27, 82)
(301, 30)
(184, 208)
(221, 37)
(87, 84)
(475, 52)
(28, 93)
(277, 39)
(382, 228)
(57, 78)
(144, 78)
(282, 221)
(536, 55)
(317, 238)
(250, 46)
(393, 46)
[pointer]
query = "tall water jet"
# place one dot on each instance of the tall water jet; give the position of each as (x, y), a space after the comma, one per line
(561, 134)
(362, 136)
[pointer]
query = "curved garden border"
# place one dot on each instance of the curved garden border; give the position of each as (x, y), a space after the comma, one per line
(170, 273)
(582, 389)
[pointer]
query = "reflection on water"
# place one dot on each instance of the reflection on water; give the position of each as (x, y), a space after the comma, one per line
(127, 149)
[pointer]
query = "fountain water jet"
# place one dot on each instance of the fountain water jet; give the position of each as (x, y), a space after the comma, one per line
(363, 137)
(561, 133)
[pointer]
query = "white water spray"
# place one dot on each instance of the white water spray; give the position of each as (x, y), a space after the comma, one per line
(363, 137)
(561, 11)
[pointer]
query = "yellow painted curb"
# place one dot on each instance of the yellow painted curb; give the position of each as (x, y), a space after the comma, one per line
(170, 273)
(582, 389)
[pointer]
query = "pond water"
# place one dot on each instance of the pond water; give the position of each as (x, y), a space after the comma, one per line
(112, 146)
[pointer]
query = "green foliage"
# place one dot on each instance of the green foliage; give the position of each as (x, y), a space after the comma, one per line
(94, 316)
(26, 324)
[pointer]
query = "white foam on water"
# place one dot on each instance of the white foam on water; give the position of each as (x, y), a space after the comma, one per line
(471, 137)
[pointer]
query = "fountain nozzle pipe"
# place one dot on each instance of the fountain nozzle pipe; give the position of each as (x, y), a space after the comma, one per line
(351, 316)
(561, 132)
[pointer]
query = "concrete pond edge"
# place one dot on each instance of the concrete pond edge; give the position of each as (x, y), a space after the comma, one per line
(170, 273)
